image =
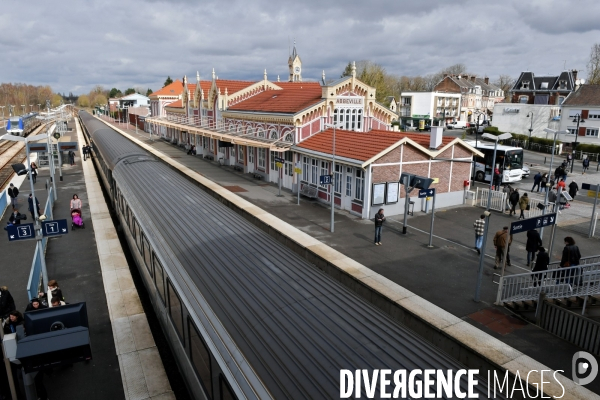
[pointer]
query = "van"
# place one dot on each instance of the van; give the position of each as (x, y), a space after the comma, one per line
(457, 125)
(483, 125)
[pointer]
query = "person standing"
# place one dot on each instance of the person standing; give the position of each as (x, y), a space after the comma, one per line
(561, 184)
(545, 182)
(37, 206)
(15, 318)
(13, 193)
(501, 240)
(479, 226)
(34, 168)
(570, 258)
(75, 202)
(537, 179)
(497, 178)
(379, 220)
(523, 205)
(543, 259)
(71, 157)
(7, 304)
(534, 242)
(569, 159)
(573, 189)
(586, 165)
(513, 199)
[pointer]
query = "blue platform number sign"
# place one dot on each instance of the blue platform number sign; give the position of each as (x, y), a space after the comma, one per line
(20, 232)
(423, 193)
(54, 228)
(326, 179)
(279, 160)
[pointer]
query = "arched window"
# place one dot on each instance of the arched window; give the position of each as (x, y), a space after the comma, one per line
(261, 133)
(273, 134)
(289, 138)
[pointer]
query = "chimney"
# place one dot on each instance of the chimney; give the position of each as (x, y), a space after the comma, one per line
(486, 80)
(574, 72)
(445, 75)
(435, 138)
(473, 78)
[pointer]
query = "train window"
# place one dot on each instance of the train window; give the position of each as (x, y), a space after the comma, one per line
(137, 234)
(159, 279)
(147, 254)
(175, 310)
(225, 389)
(127, 212)
(200, 357)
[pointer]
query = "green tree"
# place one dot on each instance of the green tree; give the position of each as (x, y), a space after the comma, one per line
(148, 92)
(114, 92)
(347, 70)
(129, 91)
(593, 65)
(83, 101)
(168, 81)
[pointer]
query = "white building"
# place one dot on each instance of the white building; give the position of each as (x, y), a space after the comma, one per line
(585, 102)
(436, 107)
(134, 100)
(519, 118)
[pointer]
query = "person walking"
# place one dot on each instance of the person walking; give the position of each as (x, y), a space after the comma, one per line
(71, 157)
(569, 159)
(35, 305)
(13, 193)
(379, 220)
(75, 202)
(561, 184)
(545, 182)
(34, 173)
(586, 164)
(479, 226)
(523, 205)
(534, 242)
(501, 240)
(552, 197)
(513, 199)
(543, 259)
(573, 189)
(37, 206)
(7, 303)
(497, 178)
(16, 217)
(570, 258)
(559, 172)
(537, 179)
(15, 318)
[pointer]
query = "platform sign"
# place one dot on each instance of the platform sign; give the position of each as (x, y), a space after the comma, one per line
(532, 223)
(35, 147)
(423, 193)
(279, 160)
(54, 228)
(279, 165)
(20, 232)
(326, 179)
(68, 146)
(298, 170)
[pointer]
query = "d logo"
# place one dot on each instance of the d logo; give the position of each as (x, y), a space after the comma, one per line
(585, 368)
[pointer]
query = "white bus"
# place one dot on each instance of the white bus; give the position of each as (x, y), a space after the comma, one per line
(509, 159)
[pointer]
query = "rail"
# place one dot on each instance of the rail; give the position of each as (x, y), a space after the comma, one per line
(582, 332)
(582, 261)
(34, 282)
(580, 280)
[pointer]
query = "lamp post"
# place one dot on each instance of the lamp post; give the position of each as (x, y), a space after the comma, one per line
(31, 108)
(331, 224)
(487, 212)
(23, 105)
(577, 119)
(555, 133)
(2, 107)
(39, 105)
(530, 115)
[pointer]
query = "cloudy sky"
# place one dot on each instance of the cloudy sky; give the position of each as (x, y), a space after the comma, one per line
(73, 45)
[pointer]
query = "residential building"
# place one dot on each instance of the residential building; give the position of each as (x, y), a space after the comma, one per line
(479, 96)
(437, 108)
(546, 89)
(585, 102)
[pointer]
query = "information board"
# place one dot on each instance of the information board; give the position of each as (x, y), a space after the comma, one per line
(378, 193)
(393, 191)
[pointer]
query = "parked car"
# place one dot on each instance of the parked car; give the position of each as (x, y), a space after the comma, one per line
(458, 125)
(483, 125)
(526, 171)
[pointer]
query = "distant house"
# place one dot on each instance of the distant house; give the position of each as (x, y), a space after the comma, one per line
(435, 108)
(478, 95)
(585, 101)
(134, 100)
(390, 102)
(547, 89)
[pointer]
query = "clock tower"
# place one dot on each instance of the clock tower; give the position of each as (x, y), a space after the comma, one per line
(295, 65)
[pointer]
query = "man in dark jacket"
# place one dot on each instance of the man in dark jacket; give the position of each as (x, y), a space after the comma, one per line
(534, 242)
(536, 181)
(543, 259)
(13, 193)
(16, 217)
(379, 220)
(513, 200)
(573, 189)
(7, 304)
(37, 205)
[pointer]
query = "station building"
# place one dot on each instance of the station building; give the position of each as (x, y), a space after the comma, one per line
(273, 129)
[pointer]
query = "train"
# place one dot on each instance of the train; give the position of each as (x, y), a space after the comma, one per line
(245, 316)
(22, 125)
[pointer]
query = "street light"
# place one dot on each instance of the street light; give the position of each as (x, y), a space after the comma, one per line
(577, 119)
(38, 226)
(331, 227)
(39, 105)
(23, 105)
(487, 211)
(31, 108)
(2, 107)
(530, 115)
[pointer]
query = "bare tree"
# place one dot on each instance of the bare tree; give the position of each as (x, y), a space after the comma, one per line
(505, 82)
(594, 65)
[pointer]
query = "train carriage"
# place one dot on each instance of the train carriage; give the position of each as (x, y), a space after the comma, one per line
(22, 125)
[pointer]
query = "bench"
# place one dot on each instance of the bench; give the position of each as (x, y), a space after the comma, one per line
(309, 191)
(257, 175)
(238, 168)
(561, 289)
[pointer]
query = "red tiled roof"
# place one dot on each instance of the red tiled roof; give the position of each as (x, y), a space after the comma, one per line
(294, 97)
(205, 87)
(362, 146)
(231, 85)
(174, 89)
(175, 104)
(191, 90)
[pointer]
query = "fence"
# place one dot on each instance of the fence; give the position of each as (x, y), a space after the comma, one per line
(35, 275)
(497, 201)
(542, 148)
(580, 331)
(580, 280)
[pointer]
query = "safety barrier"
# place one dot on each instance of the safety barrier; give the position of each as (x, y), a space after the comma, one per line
(580, 331)
(580, 280)
(35, 275)
(3, 202)
(497, 202)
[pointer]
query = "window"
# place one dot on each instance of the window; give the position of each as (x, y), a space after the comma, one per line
(262, 154)
(232, 151)
(544, 85)
(591, 132)
(349, 174)
(314, 171)
(240, 153)
(324, 171)
(261, 133)
(175, 310)
(159, 279)
(594, 114)
(136, 234)
(273, 134)
(289, 138)
(200, 357)
(572, 130)
(225, 389)
(563, 84)
(250, 155)
(305, 169)
(338, 178)
(525, 85)
(212, 144)
(272, 158)
(523, 99)
(147, 254)
(359, 184)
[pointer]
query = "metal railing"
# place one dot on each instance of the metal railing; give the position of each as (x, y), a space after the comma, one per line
(580, 280)
(582, 261)
(497, 202)
(580, 331)
(35, 275)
